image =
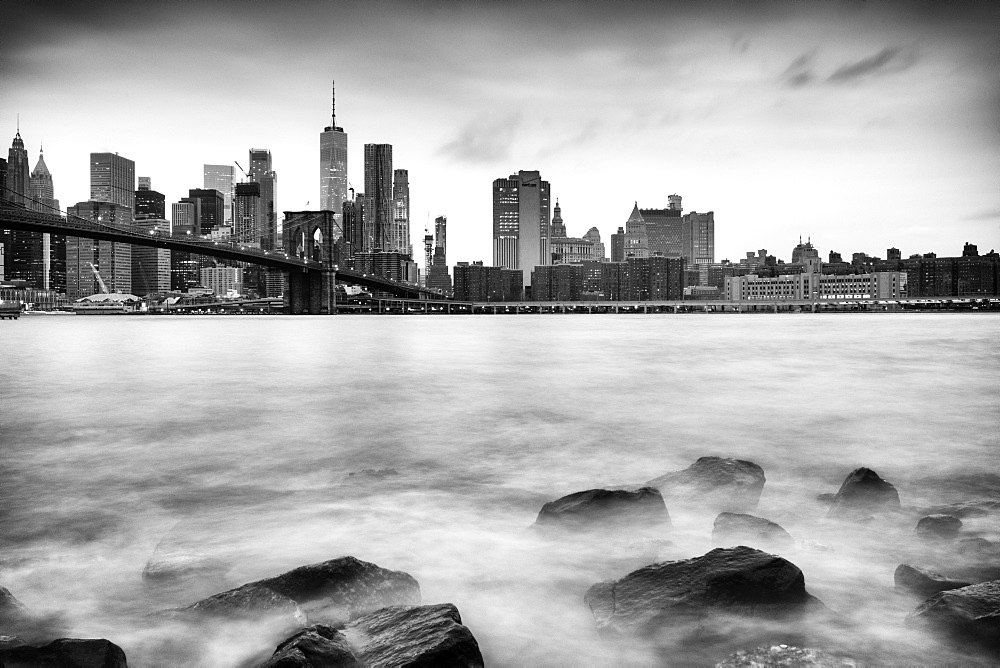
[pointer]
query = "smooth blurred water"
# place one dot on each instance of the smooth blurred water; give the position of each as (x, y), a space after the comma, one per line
(241, 435)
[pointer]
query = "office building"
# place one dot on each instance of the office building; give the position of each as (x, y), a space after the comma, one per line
(571, 250)
(112, 179)
(210, 208)
(151, 270)
(378, 194)
(428, 256)
(249, 218)
(664, 228)
(261, 172)
(698, 242)
(811, 284)
(85, 256)
(333, 164)
(223, 179)
(400, 238)
(636, 242)
(618, 245)
(521, 222)
(593, 235)
(53, 248)
(223, 281)
(437, 276)
(558, 226)
(149, 203)
(26, 255)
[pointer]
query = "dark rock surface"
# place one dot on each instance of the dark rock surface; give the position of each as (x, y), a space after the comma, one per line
(781, 655)
(249, 602)
(6, 642)
(863, 493)
(314, 646)
(970, 614)
(66, 653)
(170, 563)
(938, 526)
(713, 484)
(604, 508)
(965, 510)
(429, 635)
(738, 580)
(977, 548)
(922, 582)
(739, 529)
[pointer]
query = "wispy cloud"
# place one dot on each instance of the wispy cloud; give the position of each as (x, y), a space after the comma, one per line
(988, 214)
(799, 73)
(888, 60)
(484, 140)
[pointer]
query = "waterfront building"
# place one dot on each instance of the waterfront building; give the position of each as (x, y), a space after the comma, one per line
(223, 179)
(811, 284)
(333, 164)
(400, 238)
(635, 242)
(112, 179)
(151, 270)
(222, 280)
(112, 259)
(262, 173)
(570, 250)
(521, 222)
(561, 282)
(437, 276)
(664, 228)
(378, 194)
(478, 283)
(969, 275)
(698, 242)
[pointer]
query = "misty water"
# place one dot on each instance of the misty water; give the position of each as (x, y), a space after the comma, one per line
(428, 444)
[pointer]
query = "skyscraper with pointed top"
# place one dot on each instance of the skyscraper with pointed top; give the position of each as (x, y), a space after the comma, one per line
(333, 165)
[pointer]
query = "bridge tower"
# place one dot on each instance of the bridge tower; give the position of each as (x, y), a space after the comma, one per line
(315, 235)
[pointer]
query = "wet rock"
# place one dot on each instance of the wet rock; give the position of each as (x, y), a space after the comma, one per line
(740, 529)
(938, 526)
(977, 548)
(967, 615)
(862, 493)
(965, 510)
(781, 655)
(251, 602)
(713, 484)
(826, 499)
(738, 580)
(66, 653)
(314, 646)
(606, 509)
(173, 563)
(922, 582)
(427, 635)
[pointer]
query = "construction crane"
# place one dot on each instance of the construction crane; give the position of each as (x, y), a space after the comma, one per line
(100, 281)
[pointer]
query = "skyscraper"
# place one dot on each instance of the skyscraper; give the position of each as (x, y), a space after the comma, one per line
(663, 227)
(437, 276)
(521, 227)
(149, 204)
(24, 252)
(53, 246)
(261, 172)
(636, 240)
(113, 260)
(333, 165)
(248, 213)
(221, 178)
(112, 179)
(378, 190)
(210, 209)
(400, 240)
(558, 227)
(698, 242)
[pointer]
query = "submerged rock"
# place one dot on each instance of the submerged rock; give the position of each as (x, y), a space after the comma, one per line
(318, 646)
(740, 529)
(967, 615)
(922, 582)
(738, 580)
(977, 548)
(862, 493)
(938, 526)
(66, 653)
(713, 484)
(781, 655)
(426, 635)
(606, 509)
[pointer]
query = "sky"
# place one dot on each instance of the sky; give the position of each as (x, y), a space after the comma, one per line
(858, 125)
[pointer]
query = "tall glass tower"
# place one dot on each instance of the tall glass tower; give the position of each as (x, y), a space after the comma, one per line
(222, 178)
(333, 166)
(378, 188)
(521, 222)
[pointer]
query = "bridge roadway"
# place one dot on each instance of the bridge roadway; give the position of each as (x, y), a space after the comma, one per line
(307, 276)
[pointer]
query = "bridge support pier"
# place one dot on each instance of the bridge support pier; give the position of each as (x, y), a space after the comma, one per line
(311, 292)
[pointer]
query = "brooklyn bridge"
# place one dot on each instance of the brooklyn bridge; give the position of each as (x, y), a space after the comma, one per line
(309, 259)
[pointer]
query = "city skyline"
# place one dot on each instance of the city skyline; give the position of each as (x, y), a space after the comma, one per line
(862, 126)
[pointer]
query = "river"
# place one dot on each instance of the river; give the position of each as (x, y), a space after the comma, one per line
(428, 444)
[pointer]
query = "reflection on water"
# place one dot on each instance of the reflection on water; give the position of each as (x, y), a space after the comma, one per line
(239, 436)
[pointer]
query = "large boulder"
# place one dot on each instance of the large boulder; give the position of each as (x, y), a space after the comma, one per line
(740, 529)
(66, 653)
(606, 509)
(738, 580)
(967, 615)
(428, 636)
(862, 494)
(318, 646)
(781, 655)
(922, 582)
(938, 526)
(251, 602)
(713, 484)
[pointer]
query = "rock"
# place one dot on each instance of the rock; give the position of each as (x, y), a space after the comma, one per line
(738, 580)
(333, 591)
(922, 582)
(317, 646)
(604, 508)
(977, 548)
(970, 614)
(426, 635)
(6, 642)
(965, 510)
(10, 607)
(825, 499)
(66, 653)
(938, 526)
(862, 493)
(170, 564)
(781, 655)
(738, 529)
(713, 484)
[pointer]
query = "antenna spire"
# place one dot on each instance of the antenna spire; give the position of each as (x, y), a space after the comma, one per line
(333, 117)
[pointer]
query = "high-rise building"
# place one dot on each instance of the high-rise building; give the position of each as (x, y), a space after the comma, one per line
(248, 213)
(145, 183)
(149, 204)
(698, 242)
(400, 239)
(112, 179)
(521, 222)
(428, 254)
(221, 178)
(558, 227)
(618, 245)
(664, 228)
(333, 164)
(593, 235)
(378, 190)
(53, 246)
(184, 217)
(151, 269)
(636, 240)
(437, 276)
(113, 260)
(261, 172)
(211, 209)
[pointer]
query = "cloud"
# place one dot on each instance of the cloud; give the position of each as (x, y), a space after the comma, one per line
(799, 73)
(988, 214)
(484, 140)
(888, 60)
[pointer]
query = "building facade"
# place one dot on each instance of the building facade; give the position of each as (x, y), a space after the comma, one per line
(262, 173)
(400, 236)
(378, 193)
(222, 280)
(112, 179)
(333, 164)
(83, 256)
(437, 276)
(223, 179)
(249, 219)
(522, 222)
(151, 270)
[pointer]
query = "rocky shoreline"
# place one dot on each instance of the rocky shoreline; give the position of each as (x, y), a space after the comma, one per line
(743, 603)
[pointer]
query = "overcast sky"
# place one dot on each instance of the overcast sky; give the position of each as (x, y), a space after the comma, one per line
(861, 124)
